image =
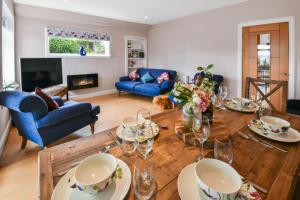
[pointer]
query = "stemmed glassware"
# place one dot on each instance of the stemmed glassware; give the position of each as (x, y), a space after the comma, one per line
(143, 179)
(201, 130)
(222, 92)
(223, 150)
(144, 134)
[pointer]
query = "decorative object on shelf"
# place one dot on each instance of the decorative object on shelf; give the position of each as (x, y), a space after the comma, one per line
(129, 45)
(10, 86)
(82, 51)
(141, 54)
(195, 99)
(131, 63)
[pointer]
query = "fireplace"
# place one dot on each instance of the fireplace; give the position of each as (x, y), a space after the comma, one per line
(82, 81)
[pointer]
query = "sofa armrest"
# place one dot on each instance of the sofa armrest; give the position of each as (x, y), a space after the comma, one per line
(58, 100)
(64, 113)
(168, 85)
(124, 78)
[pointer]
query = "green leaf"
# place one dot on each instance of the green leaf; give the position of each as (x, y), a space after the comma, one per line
(200, 68)
(209, 66)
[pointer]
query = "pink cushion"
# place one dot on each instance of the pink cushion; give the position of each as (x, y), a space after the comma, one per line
(134, 75)
(163, 77)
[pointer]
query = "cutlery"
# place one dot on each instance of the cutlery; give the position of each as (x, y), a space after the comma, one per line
(253, 139)
(258, 187)
(115, 139)
(278, 148)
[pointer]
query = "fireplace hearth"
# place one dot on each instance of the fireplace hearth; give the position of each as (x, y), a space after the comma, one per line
(82, 81)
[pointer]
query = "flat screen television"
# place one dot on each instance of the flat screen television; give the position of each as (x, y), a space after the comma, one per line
(40, 72)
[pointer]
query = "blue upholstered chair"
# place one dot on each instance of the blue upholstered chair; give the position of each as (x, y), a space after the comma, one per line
(217, 78)
(30, 115)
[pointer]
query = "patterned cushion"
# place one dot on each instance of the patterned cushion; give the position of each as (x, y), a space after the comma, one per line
(147, 78)
(52, 105)
(163, 77)
(134, 75)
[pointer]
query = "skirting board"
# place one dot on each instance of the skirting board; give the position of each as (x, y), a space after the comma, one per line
(93, 94)
(4, 137)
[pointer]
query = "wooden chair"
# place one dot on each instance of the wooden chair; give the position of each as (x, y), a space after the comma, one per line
(265, 96)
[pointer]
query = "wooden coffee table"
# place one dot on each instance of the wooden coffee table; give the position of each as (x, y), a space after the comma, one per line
(272, 169)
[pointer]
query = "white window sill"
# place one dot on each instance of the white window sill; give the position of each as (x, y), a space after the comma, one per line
(76, 56)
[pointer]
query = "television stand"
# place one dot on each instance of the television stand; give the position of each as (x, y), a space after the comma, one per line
(57, 90)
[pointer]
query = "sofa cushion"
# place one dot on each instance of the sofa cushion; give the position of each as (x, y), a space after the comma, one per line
(127, 85)
(52, 105)
(147, 78)
(157, 72)
(149, 88)
(163, 77)
(134, 75)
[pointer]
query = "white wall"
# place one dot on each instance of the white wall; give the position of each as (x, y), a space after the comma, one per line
(211, 37)
(4, 114)
(30, 39)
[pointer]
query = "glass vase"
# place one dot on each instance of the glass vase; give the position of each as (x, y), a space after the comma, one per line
(187, 117)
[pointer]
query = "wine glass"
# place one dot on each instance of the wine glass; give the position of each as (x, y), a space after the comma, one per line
(223, 94)
(144, 135)
(264, 110)
(223, 150)
(201, 130)
(143, 179)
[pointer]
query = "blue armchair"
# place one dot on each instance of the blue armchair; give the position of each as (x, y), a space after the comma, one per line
(217, 78)
(30, 115)
(147, 89)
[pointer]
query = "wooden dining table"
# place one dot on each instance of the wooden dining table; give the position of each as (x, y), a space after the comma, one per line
(271, 169)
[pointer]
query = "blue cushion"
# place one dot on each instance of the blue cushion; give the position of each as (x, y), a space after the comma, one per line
(127, 85)
(147, 78)
(149, 88)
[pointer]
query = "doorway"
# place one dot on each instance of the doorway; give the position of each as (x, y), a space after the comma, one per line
(265, 55)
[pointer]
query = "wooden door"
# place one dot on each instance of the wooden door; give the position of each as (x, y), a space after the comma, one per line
(266, 56)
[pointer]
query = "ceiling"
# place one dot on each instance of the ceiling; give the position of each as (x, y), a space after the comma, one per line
(140, 11)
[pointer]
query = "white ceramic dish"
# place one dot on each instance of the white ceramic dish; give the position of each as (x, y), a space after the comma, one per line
(275, 124)
(217, 179)
(128, 135)
(247, 109)
(94, 173)
(291, 136)
(117, 190)
(189, 190)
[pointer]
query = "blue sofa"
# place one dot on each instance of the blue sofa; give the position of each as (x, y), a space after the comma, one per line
(147, 89)
(30, 115)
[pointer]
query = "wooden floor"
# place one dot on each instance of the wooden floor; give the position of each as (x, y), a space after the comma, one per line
(19, 168)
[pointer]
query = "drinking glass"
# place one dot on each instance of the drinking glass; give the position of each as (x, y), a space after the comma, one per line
(143, 179)
(223, 150)
(144, 135)
(128, 147)
(264, 110)
(201, 130)
(223, 94)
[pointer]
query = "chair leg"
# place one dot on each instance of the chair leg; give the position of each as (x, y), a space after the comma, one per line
(92, 125)
(119, 92)
(24, 142)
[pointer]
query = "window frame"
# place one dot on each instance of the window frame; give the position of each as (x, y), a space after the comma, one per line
(66, 55)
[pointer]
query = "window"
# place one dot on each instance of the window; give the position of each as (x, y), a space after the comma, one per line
(8, 54)
(66, 42)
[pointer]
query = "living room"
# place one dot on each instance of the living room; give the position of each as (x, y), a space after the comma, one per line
(76, 75)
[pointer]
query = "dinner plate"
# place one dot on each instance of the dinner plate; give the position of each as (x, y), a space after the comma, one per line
(291, 136)
(247, 109)
(128, 135)
(65, 190)
(189, 190)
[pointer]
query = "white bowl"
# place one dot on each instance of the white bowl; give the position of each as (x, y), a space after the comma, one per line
(241, 102)
(217, 179)
(95, 173)
(275, 125)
